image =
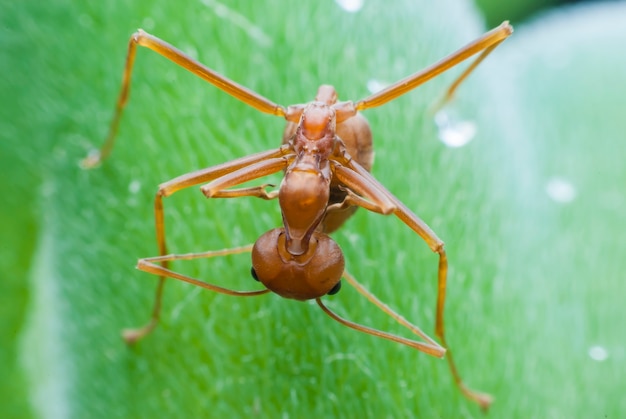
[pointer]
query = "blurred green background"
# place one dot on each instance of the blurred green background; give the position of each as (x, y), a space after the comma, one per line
(531, 210)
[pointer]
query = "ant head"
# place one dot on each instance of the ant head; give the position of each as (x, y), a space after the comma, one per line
(303, 277)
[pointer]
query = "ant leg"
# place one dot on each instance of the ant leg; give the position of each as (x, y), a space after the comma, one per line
(449, 95)
(245, 169)
(485, 44)
(209, 174)
(254, 191)
(363, 183)
(216, 188)
(170, 52)
(131, 336)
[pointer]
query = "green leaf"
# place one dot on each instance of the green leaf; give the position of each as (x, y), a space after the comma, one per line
(564, 107)
(533, 283)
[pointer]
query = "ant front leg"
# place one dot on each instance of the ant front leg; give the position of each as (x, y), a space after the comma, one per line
(366, 193)
(245, 168)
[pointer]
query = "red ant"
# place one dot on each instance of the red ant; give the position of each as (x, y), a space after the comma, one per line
(326, 156)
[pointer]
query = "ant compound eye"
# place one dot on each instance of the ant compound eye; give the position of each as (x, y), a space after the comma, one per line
(335, 289)
(253, 273)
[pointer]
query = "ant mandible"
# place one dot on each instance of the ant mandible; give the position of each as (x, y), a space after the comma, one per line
(326, 157)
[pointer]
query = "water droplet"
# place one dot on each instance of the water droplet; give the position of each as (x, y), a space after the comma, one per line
(134, 186)
(598, 353)
(374, 85)
(351, 6)
(453, 131)
(560, 190)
